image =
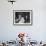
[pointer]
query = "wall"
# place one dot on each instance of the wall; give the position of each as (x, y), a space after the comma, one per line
(37, 31)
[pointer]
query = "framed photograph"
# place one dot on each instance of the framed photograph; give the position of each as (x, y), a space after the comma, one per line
(22, 17)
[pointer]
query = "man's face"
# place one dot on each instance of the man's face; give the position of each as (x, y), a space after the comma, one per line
(19, 16)
(26, 17)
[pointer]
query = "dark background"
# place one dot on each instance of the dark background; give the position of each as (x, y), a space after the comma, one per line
(24, 14)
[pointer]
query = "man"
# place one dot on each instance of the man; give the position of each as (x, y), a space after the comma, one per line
(20, 19)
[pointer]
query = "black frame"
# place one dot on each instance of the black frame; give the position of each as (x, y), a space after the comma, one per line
(31, 14)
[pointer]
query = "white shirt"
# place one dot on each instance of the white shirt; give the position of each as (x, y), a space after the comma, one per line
(21, 20)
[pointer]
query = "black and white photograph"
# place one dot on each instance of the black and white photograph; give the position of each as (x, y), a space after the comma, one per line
(22, 16)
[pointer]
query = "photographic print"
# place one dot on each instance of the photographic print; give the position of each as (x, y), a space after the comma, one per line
(22, 16)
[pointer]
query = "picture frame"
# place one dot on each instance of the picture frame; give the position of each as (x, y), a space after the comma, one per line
(22, 17)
